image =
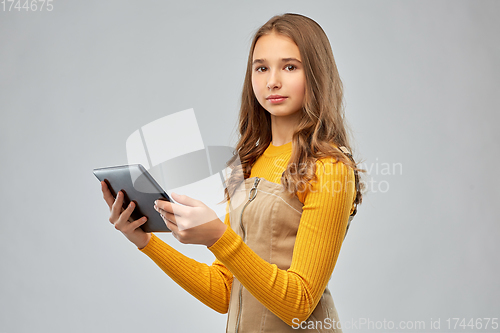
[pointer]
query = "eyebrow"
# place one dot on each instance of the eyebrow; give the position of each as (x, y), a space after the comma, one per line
(260, 61)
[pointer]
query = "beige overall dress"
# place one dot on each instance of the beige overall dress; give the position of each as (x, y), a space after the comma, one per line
(267, 219)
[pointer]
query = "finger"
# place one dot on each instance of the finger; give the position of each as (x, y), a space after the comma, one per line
(170, 207)
(124, 218)
(172, 228)
(164, 205)
(116, 208)
(167, 216)
(106, 193)
(137, 223)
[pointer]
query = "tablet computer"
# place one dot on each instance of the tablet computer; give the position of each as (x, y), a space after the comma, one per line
(139, 186)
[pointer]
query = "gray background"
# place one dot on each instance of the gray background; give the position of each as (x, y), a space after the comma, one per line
(422, 85)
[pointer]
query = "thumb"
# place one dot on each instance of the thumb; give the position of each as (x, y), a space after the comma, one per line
(185, 200)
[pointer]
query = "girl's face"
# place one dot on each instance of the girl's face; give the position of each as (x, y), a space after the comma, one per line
(278, 77)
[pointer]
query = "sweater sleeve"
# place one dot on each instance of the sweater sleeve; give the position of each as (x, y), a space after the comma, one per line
(294, 293)
(209, 284)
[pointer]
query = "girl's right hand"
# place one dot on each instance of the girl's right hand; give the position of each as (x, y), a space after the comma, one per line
(121, 219)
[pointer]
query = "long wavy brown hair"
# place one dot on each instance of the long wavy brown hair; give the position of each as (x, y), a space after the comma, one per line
(322, 127)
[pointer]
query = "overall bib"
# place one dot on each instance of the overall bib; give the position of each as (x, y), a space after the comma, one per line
(267, 219)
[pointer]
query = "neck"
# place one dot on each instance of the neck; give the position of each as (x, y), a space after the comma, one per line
(283, 128)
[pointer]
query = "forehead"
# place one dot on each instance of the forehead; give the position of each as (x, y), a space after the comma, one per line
(275, 46)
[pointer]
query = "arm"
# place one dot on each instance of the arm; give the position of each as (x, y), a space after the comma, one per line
(209, 284)
(294, 293)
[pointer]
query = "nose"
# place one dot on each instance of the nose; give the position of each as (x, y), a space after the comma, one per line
(273, 81)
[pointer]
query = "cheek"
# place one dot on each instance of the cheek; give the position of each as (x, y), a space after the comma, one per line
(299, 88)
(256, 86)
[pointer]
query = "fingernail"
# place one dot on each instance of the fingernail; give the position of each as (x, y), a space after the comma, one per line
(156, 202)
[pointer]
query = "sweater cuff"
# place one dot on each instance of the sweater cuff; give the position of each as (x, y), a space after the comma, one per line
(152, 245)
(226, 246)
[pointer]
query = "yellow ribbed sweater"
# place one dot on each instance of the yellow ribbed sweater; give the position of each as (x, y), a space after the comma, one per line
(292, 293)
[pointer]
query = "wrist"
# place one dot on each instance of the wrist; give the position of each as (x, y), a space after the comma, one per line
(143, 244)
(221, 228)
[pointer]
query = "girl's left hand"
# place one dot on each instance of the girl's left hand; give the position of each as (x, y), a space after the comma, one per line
(192, 222)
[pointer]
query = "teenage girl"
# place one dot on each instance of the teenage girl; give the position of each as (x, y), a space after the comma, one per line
(287, 218)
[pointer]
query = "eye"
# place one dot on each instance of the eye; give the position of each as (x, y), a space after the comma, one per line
(260, 69)
(290, 68)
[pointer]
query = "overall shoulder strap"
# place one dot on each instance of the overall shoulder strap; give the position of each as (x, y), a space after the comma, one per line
(356, 179)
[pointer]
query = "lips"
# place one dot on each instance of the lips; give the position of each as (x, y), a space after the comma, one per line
(276, 98)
